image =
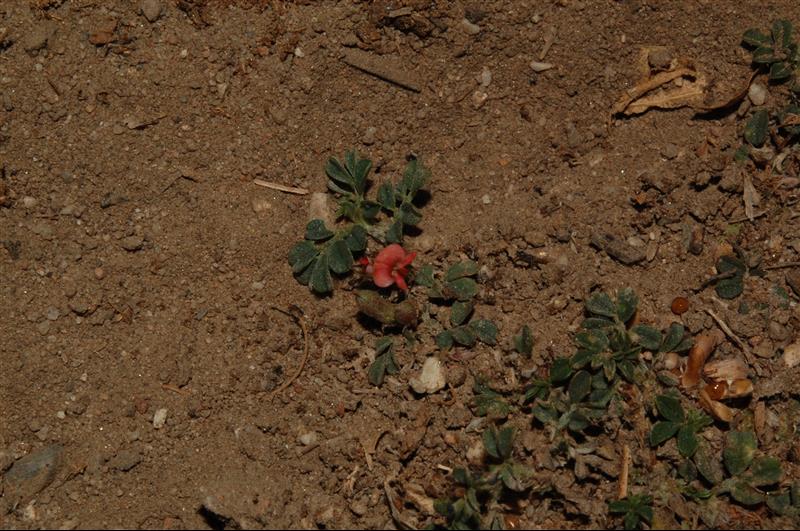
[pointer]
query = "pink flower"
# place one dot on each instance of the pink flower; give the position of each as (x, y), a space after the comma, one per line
(390, 267)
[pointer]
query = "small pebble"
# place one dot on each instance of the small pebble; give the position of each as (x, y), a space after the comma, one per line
(369, 136)
(160, 418)
(29, 202)
(52, 313)
(308, 439)
(99, 273)
(757, 94)
(469, 27)
(486, 199)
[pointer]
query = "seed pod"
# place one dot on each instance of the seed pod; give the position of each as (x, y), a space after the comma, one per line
(716, 390)
(373, 305)
(700, 352)
(739, 388)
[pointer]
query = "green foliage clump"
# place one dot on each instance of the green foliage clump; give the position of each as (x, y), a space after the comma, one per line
(326, 251)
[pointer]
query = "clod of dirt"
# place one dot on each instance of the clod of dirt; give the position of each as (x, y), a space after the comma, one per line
(431, 377)
(151, 9)
(32, 474)
(132, 243)
(791, 355)
(125, 460)
(37, 38)
(617, 249)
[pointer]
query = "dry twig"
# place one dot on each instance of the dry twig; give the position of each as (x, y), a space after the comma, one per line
(728, 332)
(623, 475)
(281, 187)
(300, 320)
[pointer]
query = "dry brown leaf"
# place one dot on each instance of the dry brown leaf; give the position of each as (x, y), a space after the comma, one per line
(750, 196)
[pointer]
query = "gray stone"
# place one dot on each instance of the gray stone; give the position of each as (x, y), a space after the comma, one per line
(132, 243)
(32, 474)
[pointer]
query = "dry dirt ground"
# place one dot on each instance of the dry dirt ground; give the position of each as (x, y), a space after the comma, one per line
(140, 266)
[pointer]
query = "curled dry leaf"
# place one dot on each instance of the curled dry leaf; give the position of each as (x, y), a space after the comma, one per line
(750, 196)
(702, 349)
(735, 389)
(680, 87)
(717, 409)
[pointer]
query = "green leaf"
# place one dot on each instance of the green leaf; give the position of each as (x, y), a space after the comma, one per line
(670, 408)
(594, 341)
(395, 232)
(581, 358)
(424, 276)
(577, 421)
(305, 276)
(415, 177)
(338, 173)
(462, 289)
(505, 442)
(687, 441)
(464, 335)
(523, 343)
(745, 494)
(382, 345)
(356, 239)
(516, 477)
(662, 431)
(460, 312)
(490, 443)
(756, 129)
(709, 467)
(560, 370)
(597, 323)
(780, 71)
(486, 330)
(467, 268)
(626, 369)
(627, 301)
(489, 402)
(779, 502)
(579, 386)
(672, 338)
(739, 450)
(383, 365)
(444, 340)
(764, 55)
(411, 216)
(601, 304)
(730, 288)
(370, 210)
(340, 258)
(545, 414)
(754, 37)
(320, 279)
(316, 230)
(782, 33)
(360, 173)
(765, 471)
(386, 196)
(537, 389)
(619, 506)
(301, 256)
(647, 336)
(730, 262)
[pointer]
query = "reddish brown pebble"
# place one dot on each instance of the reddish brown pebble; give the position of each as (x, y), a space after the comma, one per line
(680, 305)
(99, 273)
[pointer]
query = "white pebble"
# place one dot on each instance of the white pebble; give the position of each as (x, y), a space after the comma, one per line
(757, 94)
(540, 67)
(160, 418)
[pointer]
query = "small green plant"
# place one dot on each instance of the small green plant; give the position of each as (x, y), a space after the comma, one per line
(637, 509)
(458, 288)
(678, 423)
(488, 402)
(776, 51)
(325, 251)
(523, 343)
(385, 362)
(749, 473)
(478, 494)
